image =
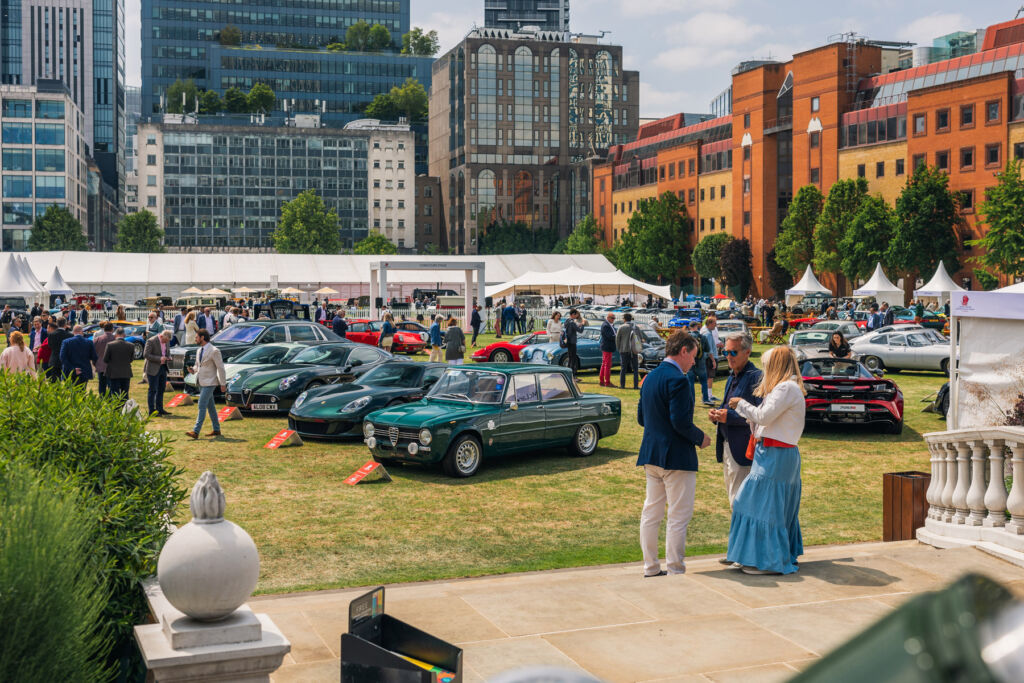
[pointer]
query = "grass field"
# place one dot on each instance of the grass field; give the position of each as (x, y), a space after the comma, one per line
(538, 511)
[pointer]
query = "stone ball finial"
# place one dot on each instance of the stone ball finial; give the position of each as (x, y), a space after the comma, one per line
(209, 567)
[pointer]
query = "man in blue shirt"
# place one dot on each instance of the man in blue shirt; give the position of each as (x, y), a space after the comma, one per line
(435, 340)
(733, 430)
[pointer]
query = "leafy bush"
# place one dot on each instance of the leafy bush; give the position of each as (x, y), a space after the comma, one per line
(52, 593)
(122, 474)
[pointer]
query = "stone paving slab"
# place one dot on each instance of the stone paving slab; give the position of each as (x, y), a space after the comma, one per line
(618, 626)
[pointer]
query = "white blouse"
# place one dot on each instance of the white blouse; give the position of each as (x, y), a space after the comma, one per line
(554, 330)
(780, 415)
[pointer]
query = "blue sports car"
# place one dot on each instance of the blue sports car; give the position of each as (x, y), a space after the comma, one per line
(588, 348)
(685, 316)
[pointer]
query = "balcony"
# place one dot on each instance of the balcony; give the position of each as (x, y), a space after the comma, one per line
(968, 500)
(772, 126)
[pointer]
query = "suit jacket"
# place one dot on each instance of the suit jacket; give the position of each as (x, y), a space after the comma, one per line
(151, 353)
(118, 356)
(209, 367)
(32, 337)
(736, 430)
(607, 337)
(56, 340)
(889, 318)
(78, 353)
(665, 411)
(100, 341)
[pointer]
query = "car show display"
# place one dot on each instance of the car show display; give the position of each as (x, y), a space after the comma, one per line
(508, 351)
(899, 347)
(841, 390)
(364, 331)
(588, 348)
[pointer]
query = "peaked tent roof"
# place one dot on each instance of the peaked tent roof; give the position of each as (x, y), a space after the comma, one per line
(11, 281)
(940, 285)
(879, 286)
(808, 285)
(573, 279)
(1013, 289)
(56, 284)
(28, 276)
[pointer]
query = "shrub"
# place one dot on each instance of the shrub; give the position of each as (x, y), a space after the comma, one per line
(52, 593)
(122, 474)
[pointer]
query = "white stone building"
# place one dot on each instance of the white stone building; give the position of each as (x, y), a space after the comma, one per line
(392, 180)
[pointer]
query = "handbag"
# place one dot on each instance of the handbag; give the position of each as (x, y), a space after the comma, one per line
(638, 346)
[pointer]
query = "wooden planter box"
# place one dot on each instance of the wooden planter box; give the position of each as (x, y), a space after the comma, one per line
(904, 506)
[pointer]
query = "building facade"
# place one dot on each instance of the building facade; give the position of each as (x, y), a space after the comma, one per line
(513, 118)
(133, 111)
(44, 158)
(430, 231)
(392, 180)
(547, 15)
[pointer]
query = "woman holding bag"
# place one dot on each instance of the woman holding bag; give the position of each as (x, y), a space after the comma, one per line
(765, 534)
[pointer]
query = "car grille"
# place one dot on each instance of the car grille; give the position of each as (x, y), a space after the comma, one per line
(322, 428)
(247, 398)
(389, 437)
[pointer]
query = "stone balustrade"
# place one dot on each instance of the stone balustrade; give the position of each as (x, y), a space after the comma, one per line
(968, 501)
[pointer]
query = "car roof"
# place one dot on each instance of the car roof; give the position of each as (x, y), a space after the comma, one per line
(270, 323)
(516, 368)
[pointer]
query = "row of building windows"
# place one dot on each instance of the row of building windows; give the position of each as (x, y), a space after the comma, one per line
(46, 187)
(242, 18)
(22, 213)
(22, 109)
(332, 64)
(360, 6)
(21, 133)
(46, 160)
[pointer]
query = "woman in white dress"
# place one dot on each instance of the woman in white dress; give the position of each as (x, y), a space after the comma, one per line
(191, 328)
(554, 327)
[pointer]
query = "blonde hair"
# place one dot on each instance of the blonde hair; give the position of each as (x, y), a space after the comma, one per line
(779, 366)
(18, 339)
(190, 316)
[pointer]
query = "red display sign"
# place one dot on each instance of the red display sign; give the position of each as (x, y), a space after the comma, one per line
(285, 437)
(228, 413)
(180, 400)
(365, 471)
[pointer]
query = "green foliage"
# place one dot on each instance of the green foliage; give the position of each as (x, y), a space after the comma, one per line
(175, 104)
(261, 98)
(379, 39)
(585, 238)
(307, 227)
(986, 280)
(235, 101)
(125, 481)
(844, 200)
(373, 244)
(409, 100)
(779, 278)
(138, 233)
(559, 247)
(517, 238)
(57, 230)
(794, 246)
(357, 37)
(707, 255)
(867, 239)
(925, 231)
(1003, 213)
(656, 244)
(336, 47)
(431, 249)
(230, 35)
(737, 264)
(53, 591)
(210, 102)
(420, 43)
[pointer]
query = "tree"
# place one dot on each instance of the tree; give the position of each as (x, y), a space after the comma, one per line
(357, 37)
(57, 230)
(585, 238)
(794, 246)
(737, 264)
(867, 239)
(261, 98)
(986, 280)
(235, 101)
(210, 103)
(306, 227)
(927, 216)
(1003, 213)
(656, 244)
(707, 256)
(138, 233)
(179, 90)
(844, 200)
(417, 42)
(230, 35)
(373, 244)
(379, 38)
(779, 278)
(517, 238)
(409, 100)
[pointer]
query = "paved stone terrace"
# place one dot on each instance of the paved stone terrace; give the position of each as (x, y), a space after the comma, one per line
(711, 624)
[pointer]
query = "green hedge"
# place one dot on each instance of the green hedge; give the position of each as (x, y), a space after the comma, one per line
(122, 474)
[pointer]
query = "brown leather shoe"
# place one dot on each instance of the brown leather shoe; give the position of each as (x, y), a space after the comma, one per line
(192, 435)
(214, 434)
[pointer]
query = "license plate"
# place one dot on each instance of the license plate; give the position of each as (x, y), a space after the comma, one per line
(174, 373)
(847, 408)
(263, 406)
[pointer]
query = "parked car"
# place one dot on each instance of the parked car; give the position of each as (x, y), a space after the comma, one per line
(337, 411)
(412, 326)
(931, 320)
(489, 410)
(847, 328)
(684, 316)
(256, 358)
(810, 343)
(805, 323)
(274, 389)
(841, 390)
(588, 348)
(134, 334)
(898, 349)
(508, 351)
(368, 332)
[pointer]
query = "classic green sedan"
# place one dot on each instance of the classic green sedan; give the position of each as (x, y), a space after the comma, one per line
(486, 410)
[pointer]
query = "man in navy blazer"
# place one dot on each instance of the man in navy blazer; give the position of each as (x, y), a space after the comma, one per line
(733, 430)
(668, 454)
(77, 354)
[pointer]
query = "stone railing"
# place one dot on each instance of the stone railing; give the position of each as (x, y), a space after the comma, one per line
(968, 501)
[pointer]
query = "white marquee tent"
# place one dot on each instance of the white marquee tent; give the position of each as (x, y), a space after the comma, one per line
(808, 285)
(56, 284)
(880, 287)
(939, 287)
(28, 276)
(574, 280)
(1013, 289)
(12, 284)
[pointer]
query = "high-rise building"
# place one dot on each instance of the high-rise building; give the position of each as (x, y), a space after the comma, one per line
(133, 111)
(548, 15)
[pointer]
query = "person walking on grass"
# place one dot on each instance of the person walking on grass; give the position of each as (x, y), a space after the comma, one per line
(475, 322)
(627, 341)
(18, 358)
(156, 355)
(454, 343)
(77, 354)
(103, 336)
(118, 356)
(554, 327)
(387, 332)
(607, 349)
(209, 372)
(436, 339)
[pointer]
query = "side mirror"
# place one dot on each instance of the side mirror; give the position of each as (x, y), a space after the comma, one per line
(513, 406)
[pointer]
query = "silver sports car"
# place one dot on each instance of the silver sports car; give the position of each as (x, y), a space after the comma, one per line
(903, 350)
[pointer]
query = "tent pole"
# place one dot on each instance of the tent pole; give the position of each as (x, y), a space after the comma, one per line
(952, 420)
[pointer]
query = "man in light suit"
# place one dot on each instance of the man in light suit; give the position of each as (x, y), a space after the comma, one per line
(209, 371)
(156, 354)
(118, 357)
(668, 454)
(77, 354)
(179, 326)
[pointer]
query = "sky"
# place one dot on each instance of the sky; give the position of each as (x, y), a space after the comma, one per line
(686, 49)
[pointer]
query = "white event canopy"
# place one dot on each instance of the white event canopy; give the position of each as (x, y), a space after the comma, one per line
(808, 285)
(880, 287)
(12, 284)
(28, 276)
(940, 286)
(56, 284)
(573, 280)
(1013, 289)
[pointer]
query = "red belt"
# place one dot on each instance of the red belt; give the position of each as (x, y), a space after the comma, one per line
(768, 443)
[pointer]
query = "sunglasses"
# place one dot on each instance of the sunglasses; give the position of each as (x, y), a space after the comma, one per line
(730, 353)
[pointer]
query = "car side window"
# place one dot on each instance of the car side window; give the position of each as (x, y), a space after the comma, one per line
(881, 339)
(320, 334)
(357, 327)
(302, 333)
(431, 376)
(897, 340)
(917, 340)
(274, 335)
(362, 357)
(524, 389)
(553, 386)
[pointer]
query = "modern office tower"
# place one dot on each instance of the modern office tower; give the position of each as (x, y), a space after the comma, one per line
(133, 111)
(514, 116)
(548, 15)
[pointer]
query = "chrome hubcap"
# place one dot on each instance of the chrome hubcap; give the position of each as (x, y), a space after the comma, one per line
(501, 357)
(586, 439)
(467, 456)
(871, 363)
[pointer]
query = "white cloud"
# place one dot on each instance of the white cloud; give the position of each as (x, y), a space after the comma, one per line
(662, 7)
(712, 30)
(923, 30)
(451, 28)
(656, 103)
(695, 57)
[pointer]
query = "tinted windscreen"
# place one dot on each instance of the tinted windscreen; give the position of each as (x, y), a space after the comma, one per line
(323, 355)
(389, 375)
(239, 334)
(474, 386)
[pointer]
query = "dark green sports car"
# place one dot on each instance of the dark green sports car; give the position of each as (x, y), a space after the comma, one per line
(488, 410)
(274, 389)
(337, 411)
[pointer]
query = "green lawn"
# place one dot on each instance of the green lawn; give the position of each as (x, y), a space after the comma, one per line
(537, 511)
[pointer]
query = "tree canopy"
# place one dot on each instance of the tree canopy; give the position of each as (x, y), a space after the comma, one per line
(779, 278)
(421, 43)
(230, 35)
(362, 37)
(1003, 213)
(737, 263)
(585, 238)
(307, 227)
(866, 241)
(138, 233)
(261, 98)
(235, 101)
(517, 238)
(57, 230)
(409, 100)
(794, 248)
(210, 102)
(656, 244)
(843, 202)
(174, 97)
(707, 256)
(374, 244)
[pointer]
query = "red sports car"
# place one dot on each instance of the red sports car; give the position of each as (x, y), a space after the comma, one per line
(368, 332)
(843, 390)
(508, 351)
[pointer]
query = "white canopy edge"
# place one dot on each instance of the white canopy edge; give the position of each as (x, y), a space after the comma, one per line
(56, 284)
(940, 286)
(575, 280)
(880, 287)
(12, 284)
(808, 285)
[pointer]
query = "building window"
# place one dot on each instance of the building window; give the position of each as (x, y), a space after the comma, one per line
(671, 173)
(879, 169)
(942, 160)
(992, 111)
(746, 120)
(712, 191)
(702, 225)
(691, 165)
(966, 158)
(401, 184)
(682, 170)
(428, 191)
(746, 154)
(376, 163)
(746, 186)
(967, 201)
(661, 173)
(1018, 150)
(712, 223)
(692, 195)
(815, 139)
(920, 124)
(993, 154)
(151, 201)
(815, 175)
(901, 166)
(942, 120)
(920, 160)
(702, 194)
(722, 193)
(746, 218)
(150, 139)
(151, 160)
(376, 184)
(401, 165)
(401, 203)
(815, 103)
(966, 115)
(861, 171)
(721, 223)
(151, 181)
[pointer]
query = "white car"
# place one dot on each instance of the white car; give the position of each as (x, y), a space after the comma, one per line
(256, 358)
(898, 348)
(848, 329)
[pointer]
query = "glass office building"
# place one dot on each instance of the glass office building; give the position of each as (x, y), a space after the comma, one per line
(548, 15)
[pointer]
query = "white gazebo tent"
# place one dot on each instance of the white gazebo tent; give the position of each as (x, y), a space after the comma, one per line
(881, 288)
(57, 285)
(1013, 289)
(808, 285)
(578, 281)
(12, 283)
(939, 287)
(28, 276)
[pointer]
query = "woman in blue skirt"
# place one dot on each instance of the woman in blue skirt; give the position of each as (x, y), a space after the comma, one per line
(765, 534)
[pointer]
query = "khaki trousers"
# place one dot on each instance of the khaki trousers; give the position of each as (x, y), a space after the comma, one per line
(436, 354)
(733, 473)
(677, 489)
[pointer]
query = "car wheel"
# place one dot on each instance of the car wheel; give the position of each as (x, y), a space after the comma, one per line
(564, 362)
(314, 384)
(501, 356)
(895, 427)
(873, 363)
(944, 366)
(584, 443)
(139, 349)
(463, 457)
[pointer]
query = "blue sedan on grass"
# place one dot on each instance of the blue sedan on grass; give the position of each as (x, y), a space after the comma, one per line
(588, 348)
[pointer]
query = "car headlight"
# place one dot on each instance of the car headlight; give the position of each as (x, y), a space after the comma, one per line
(287, 382)
(355, 405)
(368, 429)
(426, 437)
(301, 399)
(551, 355)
